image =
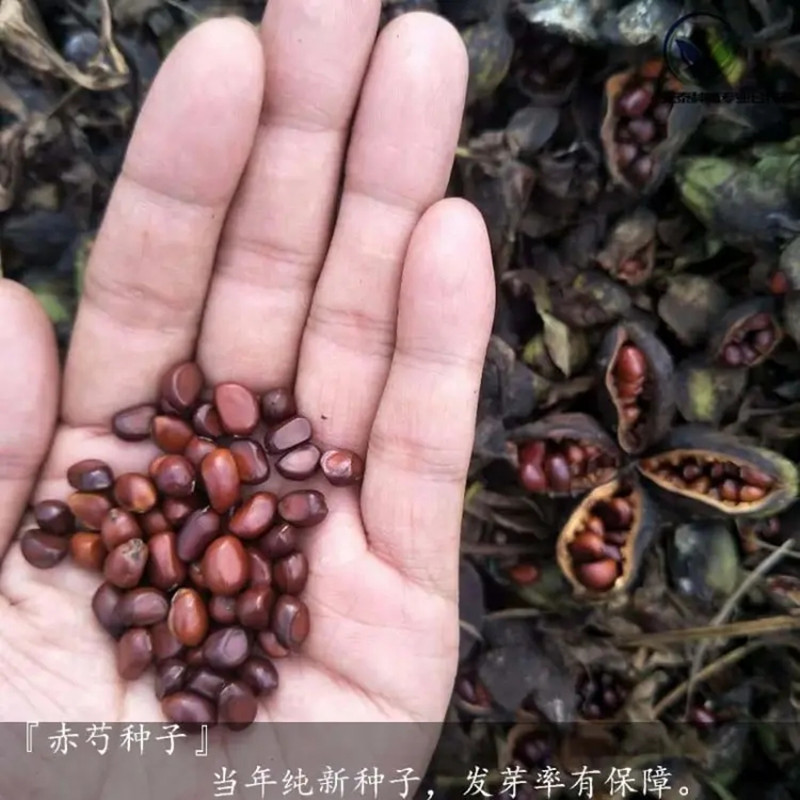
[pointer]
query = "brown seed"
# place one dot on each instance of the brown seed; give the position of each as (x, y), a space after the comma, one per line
(729, 490)
(197, 449)
(260, 568)
(142, 607)
(691, 472)
(206, 421)
(278, 542)
(89, 509)
(628, 391)
(225, 565)
(237, 705)
(251, 461)
(532, 477)
(524, 574)
(43, 550)
(118, 527)
(171, 434)
(260, 675)
(764, 340)
(300, 463)
(55, 517)
(221, 479)
(631, 414)
(164, 569)
(290, 574)
(732, 355)
(223, 609)
(290, 621)
(196, 575)
(254, 516)
(124, 565)
(621, 512)
(269, 643)
(630, 365)
(303, 508)
(165, 645)
(642, 169)
(617, 538)
(626, 154)
(188, 617)
(174, 475)
(135, 492)
(133, 424)
(755, 477)
(253, 607)
(177, 510)
(134, 653)
(226, 648)
(170, 677)
(751, 494)
(87, 550)
(188, 708)
(199, 530)
(181, 386)
(153, 522)
(595, 525)
(643, 130)
(194, 657)
(532, 452)
(277, 405)
(599, 576)
(587, 547)
(635, 102)
(104, 605)
(342, 467)
(90, 475)
(701, 485)
(237, 407)
(205, 682)
(558, 474)
(288, 434)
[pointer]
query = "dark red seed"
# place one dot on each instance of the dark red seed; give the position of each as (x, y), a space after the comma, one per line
(170, 677)
(732, 355)
(300, 463)
(290, 621)
(171, 434)
(188, 617)
(177, 510)
(729, 490)
(222, 609)
(152, 522)
(635, 102)
(197, 533)
(278, 542)
(764, 340)
(206, 421)
(133, 424)
(135, 492)
(87, 550)
(188, 708)
(181, 386)
(55, 517)
(642, 169)
(141, 607)
(134, 653)
(630, 364)
(90, 475)
(205, 682)
(254, 516)
(43, 550)
(269, 643)
(253, 607)
(196, 575)
(165, 645)
(598, 576)
(89, 509)
(220, 479)
(197, 449)
(260, 675)
(288, 434)
(164, 568)
(260, 568)
(626, 154)
(532, 477)
(194, 657)
(643, 130)
(586, 547)
(237, 705)
(118, 527)
(303, 508)
(226, 566)
(174, 476)
(104, 604)
(558, 473)
(342, 467)
(237, 407)
(226, 648)
(124, 565)
(290, 574)
(755, 477)
(277, 405)
(251, 461)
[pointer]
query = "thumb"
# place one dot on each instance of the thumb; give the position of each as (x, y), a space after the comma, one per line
(29, 392)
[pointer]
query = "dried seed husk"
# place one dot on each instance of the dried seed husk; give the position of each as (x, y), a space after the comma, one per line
(706, 447)
(705, 393)
(577, 427)
(658, 409)
(643, 528)
(690, 306)
(589, 298)
(732, 322)
(632, 238)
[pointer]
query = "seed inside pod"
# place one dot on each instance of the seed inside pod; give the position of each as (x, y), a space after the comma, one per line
(748, 338)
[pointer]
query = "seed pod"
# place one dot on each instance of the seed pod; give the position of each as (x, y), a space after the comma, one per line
(600, 548)
(746, 335)
(714, 474)
(705, 393)
(637, 390)
(629, 253)
(565, 454)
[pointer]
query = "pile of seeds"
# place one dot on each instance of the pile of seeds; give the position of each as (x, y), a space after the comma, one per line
(203, 571)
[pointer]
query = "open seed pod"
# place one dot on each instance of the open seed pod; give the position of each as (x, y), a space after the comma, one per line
(637, 390)
(712, 473)
(629, 252)
(746, 335)
(602, 544)
(530, 745)
(565, 454)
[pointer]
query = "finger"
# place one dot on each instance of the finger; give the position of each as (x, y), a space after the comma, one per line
(28, 399)
(398, 164)
(273, 246)
(421, 441)
(150, 266)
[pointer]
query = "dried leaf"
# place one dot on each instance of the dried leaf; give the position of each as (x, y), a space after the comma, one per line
(568, 347)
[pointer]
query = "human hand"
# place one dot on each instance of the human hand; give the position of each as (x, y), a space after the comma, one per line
(226, 241)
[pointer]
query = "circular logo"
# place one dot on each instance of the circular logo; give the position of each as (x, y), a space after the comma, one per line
(702, 50)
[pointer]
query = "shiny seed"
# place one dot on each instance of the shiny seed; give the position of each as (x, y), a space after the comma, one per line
(221, 479)
(118, 527)
(55, 517)
(90, 475)
(269, 643)
(188, 708)
(277, 405)
(205, 682)
(87, 550)
(124, 565)
(226, 648)
(197, 449)
(630, 364)
(135, 492)
(206, 421)
(635, 102)
(165, 645)
(300, 463)
(260, 675)
(134, 653)
(342, 467)
(729, 490)
(260, 568)
(599, 576)
(199, 530)
(595, 525)
(586, 547)
(225, 565)
(764, 340)
(237, 407)
(104, 605)
(253, 607)
(254, 516)
(236, 705)
(196, 575)
(181, 386)
(288, 434)
(532, 477)
(290, 621)
(751, 494)
(164, 569)
(643, 130)
(177, 510)
(43, 550)
(558, 473)
(755, 477)
(251, 461)
(171, 434)
(133, 424)
(626, 153)
(188, 617)
(532, 452)
(303, 508)
(142, 607)
(223, 609)
(290, 574)
(732, 355)
(174, 476)
(152, 522)
(89, 509)
(278, 542)
(170, 677)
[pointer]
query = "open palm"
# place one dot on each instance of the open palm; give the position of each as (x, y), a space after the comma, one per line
(278, 219)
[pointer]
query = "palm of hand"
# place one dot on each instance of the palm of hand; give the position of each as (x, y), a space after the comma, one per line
(217, 245)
